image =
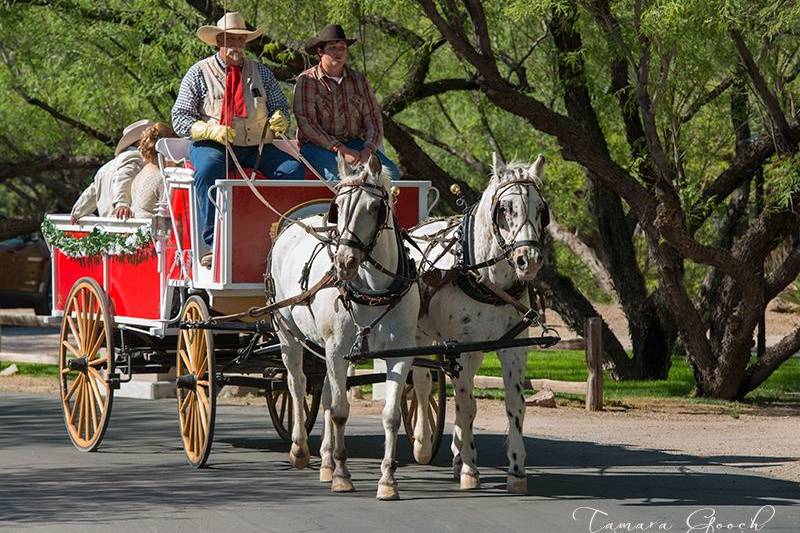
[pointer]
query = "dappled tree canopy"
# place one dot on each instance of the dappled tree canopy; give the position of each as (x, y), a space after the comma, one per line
(669, 126)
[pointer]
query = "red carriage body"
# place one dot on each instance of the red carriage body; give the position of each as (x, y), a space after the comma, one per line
(140, 287)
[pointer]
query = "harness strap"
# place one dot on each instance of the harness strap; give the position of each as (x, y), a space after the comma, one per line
(328, 280)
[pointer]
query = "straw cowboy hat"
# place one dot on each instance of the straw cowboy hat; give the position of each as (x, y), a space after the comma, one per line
(232, 23)
(331, 32)
(131, 134)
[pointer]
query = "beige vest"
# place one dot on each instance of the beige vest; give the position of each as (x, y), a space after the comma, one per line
(248, 130)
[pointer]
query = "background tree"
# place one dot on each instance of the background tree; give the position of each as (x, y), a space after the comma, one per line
(655, 118)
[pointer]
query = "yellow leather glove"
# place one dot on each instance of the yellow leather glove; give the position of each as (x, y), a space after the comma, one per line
(278, 123)
(202, 131)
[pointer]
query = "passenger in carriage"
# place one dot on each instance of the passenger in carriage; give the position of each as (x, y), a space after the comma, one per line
(336, 110)
(226, 99)
(110, 191)
(147, 187)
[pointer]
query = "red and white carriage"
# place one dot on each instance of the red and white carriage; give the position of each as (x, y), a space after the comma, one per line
(123, 297)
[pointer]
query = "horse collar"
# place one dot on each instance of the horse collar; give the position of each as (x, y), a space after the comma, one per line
(466, 281)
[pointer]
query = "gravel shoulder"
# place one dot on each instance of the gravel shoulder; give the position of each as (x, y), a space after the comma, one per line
(764, 440)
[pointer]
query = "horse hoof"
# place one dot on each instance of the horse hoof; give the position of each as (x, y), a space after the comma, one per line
(299, 456)
(457, 471)
(470, 481)
(326, 474)
(517, 485)
(388, 492)
(422, 453)
(342, 484)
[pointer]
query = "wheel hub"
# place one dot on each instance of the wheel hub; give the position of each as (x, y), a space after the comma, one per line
(80, 364)
(187, 381)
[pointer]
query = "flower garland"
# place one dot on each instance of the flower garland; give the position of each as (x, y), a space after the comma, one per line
(98, 242)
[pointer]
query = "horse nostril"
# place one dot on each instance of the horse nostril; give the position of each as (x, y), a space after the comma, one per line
(521, 262)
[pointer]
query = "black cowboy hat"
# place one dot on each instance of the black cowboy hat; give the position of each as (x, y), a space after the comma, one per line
(331, 32)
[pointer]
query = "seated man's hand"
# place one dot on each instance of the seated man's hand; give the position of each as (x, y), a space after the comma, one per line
(278, 123)
(123, 212)
(350, 156)
(202, 131)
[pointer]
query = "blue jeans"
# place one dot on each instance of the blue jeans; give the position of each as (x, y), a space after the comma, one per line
(208, 160)
(325, 161)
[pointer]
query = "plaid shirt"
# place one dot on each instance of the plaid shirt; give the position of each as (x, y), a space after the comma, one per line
(193, 92)
(329, 113)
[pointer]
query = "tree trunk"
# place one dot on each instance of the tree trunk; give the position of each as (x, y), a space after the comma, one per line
(574, 309)
(652, 343)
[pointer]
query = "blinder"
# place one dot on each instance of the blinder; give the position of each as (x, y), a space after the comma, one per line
(333, 214)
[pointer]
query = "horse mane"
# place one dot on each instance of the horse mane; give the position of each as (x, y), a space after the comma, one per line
(515, 170)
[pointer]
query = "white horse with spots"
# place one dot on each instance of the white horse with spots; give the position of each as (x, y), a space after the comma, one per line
(368, 251)
(505, 235)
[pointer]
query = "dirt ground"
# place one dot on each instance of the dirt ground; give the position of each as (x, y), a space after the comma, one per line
(764, 440)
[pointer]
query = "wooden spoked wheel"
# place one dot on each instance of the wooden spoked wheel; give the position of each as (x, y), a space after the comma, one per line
(85, 363)
(437, 408)
(279, 405)
(196, 383)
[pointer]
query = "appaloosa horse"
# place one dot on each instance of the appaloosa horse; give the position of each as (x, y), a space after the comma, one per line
(376, 302)
(498, 241)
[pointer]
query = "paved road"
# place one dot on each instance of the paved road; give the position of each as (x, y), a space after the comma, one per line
(139, 481)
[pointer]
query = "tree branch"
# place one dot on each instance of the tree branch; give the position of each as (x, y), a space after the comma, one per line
(38, 164)
(786, 138)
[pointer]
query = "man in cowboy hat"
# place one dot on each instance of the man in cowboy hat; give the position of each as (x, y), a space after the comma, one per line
(335, 108)
(110, 191)
(229, 101)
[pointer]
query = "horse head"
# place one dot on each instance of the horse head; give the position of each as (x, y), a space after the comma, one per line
(519, 214)
(361, 209)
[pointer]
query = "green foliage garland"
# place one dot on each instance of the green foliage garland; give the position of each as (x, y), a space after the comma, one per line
(98, 242)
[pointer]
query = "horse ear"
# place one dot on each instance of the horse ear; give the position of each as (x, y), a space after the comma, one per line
(497, 164)
(374, 165)
(537, 169)
(344, 168)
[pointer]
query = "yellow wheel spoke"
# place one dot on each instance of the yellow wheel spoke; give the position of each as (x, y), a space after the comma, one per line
(203, 417)
(96, 345)
(79, 408)
(99, 397)
(185, 358)
(99, 377)
(73, 329)
(201, 393)
(183, 403)
(73, 387)
(189, 351)
(71, 348)
(99, 361)
(202, 382)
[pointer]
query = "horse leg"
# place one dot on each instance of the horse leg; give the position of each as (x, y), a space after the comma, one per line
(466, 409)
(340, 410)
(512, 364)
(292, 354)
(423, 436)
(422, 384)
(326, 448)
(395, 382)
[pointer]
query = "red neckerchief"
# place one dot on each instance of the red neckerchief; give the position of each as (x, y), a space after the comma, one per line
(233, 98)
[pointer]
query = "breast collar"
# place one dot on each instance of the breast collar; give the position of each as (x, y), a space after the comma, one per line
(404, 278)
(466, 280)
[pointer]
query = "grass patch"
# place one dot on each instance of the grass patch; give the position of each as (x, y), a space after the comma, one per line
(32, 369)
(570, 365)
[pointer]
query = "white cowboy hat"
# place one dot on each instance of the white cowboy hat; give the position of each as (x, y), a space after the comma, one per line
(132, 133)
(232, 23)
